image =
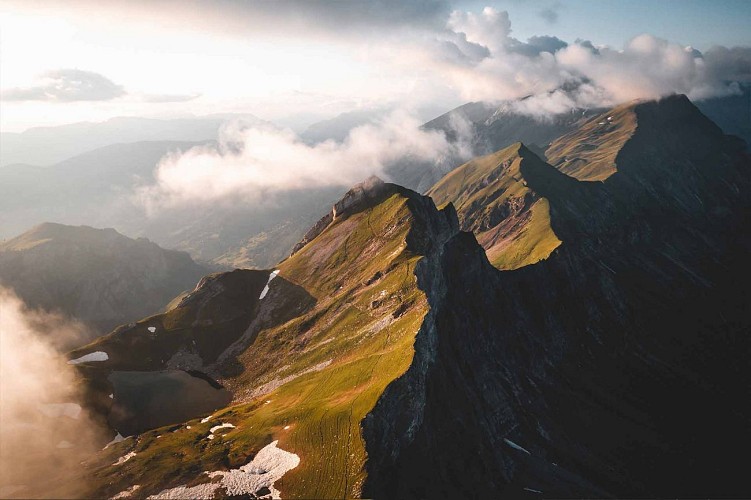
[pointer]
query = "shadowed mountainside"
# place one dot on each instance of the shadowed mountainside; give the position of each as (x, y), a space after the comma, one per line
(95, 275)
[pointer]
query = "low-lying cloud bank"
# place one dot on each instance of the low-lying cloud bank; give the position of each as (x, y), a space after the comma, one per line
(253, 162)
(44, 431)
(479, 55)
(476, 56)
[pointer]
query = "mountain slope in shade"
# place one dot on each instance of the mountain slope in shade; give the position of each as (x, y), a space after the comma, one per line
(497, 126)
(732, 113)
(612, 368)
(395, 361)
(494, 201)
(95, 275)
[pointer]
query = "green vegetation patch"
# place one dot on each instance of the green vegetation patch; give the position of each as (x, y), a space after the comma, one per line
(494, 201)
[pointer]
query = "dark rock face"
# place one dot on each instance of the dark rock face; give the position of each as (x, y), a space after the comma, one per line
(615, 367)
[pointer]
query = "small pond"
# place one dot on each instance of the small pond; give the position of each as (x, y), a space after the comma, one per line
(146, 400)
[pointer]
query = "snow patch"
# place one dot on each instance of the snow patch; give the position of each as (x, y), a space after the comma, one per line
(266, 288)
(515, 446)
(206, 419)
(115, 440)
(267, 467)
(70, 410)
(92, 356)
(126, 493)
(221, 426)
(152, 329)
(533, 491)
(125, 458)
(111, 396)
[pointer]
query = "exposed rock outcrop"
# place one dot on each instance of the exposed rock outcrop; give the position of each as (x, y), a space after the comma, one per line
(357, 198)
(615, 366)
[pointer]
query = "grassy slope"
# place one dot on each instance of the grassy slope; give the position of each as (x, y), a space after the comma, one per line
(589, 152)
(493, 200)
(364, 331)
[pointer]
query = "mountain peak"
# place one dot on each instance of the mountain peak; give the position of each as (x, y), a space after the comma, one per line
(593, 151)
(52, 231)
(494, 200)
(361, 196)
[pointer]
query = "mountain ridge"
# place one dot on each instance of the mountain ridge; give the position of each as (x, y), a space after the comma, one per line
(97, 276)
(395, 360)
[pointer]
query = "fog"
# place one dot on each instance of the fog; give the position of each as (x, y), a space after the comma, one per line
(251, 161)
(44, 431)
(478, 53)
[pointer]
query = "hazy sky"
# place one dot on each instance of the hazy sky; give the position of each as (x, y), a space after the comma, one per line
(69, 61)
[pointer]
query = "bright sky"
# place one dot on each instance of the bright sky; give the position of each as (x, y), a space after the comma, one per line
(79, 60)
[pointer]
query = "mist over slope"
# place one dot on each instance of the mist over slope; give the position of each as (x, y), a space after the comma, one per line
(47, 430)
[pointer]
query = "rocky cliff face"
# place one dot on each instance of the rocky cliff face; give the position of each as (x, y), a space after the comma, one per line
(615, 366)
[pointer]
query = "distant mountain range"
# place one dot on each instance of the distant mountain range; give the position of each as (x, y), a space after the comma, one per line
(43, 146)
(588, 338)
(96, 187)
(97, 276)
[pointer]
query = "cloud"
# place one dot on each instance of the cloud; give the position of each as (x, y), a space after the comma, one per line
(157, 98)
(550, 14)
(67, 85)
(250, 162)
(45, 433)
(536, 45)
(554, 75)
(731, 63)
(240, 17)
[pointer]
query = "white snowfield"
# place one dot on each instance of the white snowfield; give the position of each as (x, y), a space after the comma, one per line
(115, 440)
(221, 426)
(515, 446)
(125, 458)
(267, 467)
(70, 410)
(266, 288)
(92, 356)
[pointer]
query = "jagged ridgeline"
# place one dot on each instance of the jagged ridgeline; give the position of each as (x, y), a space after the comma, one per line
(588, 340)
(495, 202)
